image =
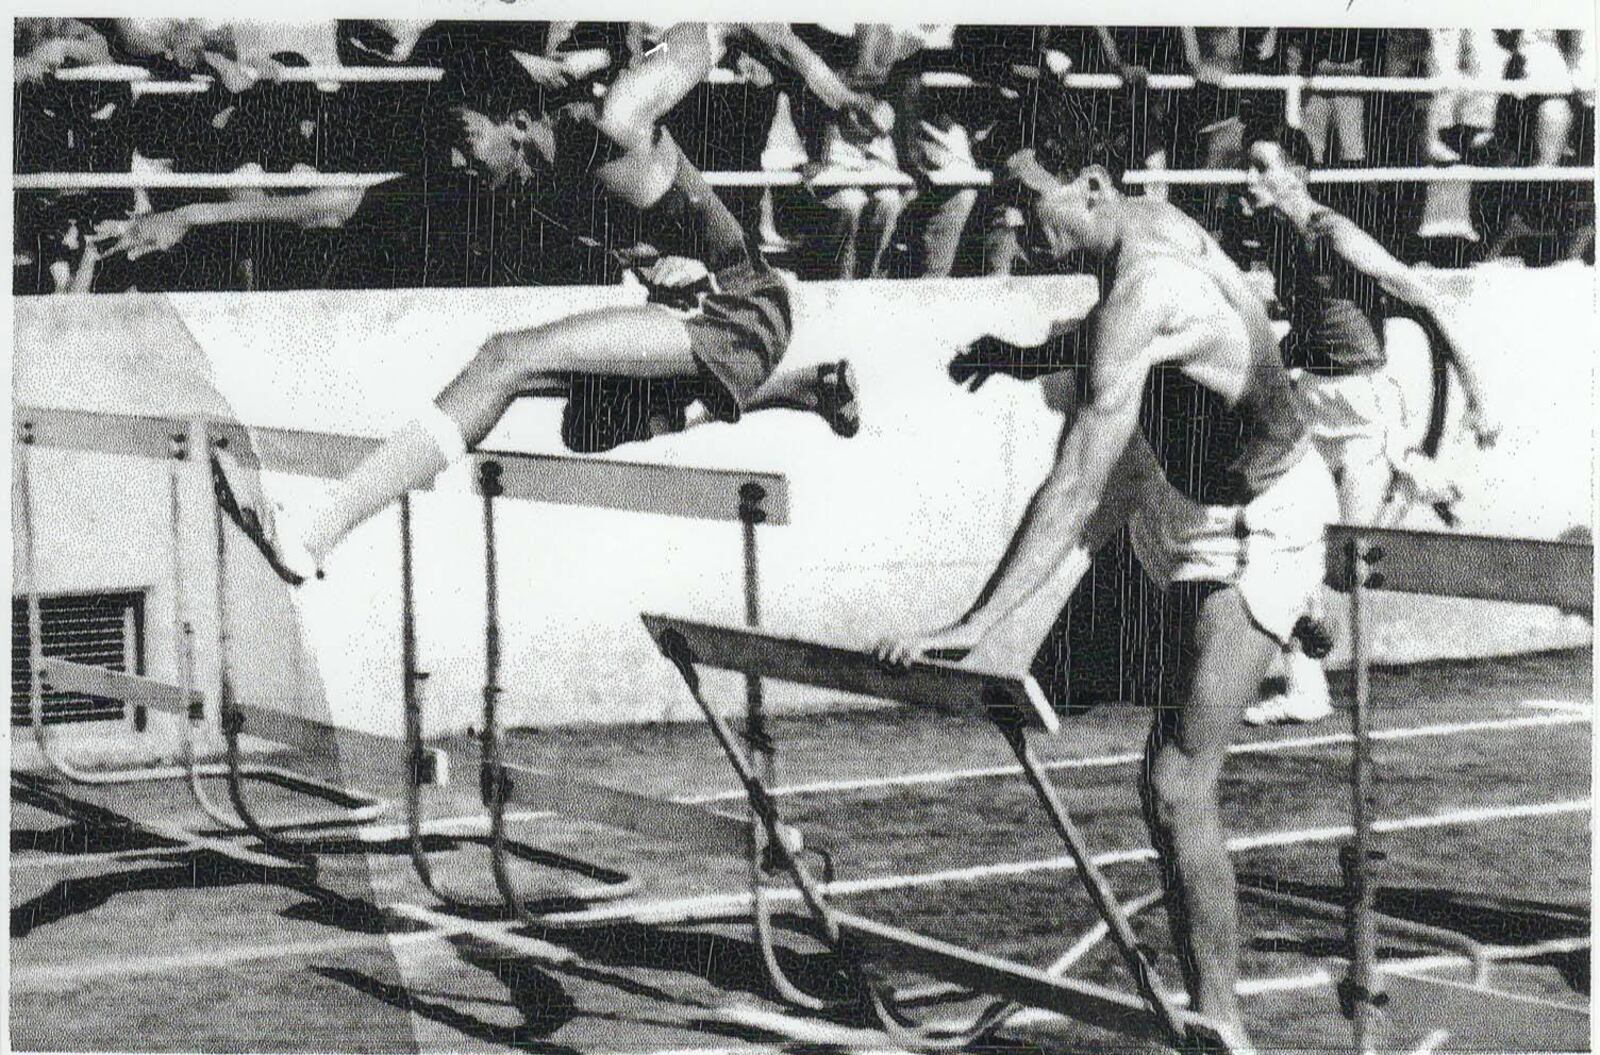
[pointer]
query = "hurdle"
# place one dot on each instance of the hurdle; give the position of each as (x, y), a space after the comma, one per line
(748, 498)
(169, 440)
(1481, 567)
(1015, 705)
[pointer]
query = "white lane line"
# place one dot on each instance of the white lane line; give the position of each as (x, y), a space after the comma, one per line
(1567, 706)
(473, 824)
(679, 909)
(65, 977)
(1582, 713)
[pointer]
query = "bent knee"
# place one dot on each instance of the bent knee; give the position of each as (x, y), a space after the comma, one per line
(850, 202)
(628, 124)
(1179, 786)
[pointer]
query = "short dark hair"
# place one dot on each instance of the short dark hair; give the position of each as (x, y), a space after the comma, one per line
(1294, 143)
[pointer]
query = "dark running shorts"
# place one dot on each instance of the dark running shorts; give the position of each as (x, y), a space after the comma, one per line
(737, 336)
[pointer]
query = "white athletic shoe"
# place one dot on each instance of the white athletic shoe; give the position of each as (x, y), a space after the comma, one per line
(1296, 709)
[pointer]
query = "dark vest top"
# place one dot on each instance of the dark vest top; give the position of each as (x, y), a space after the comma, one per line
(1335, 311)
(1214, 451)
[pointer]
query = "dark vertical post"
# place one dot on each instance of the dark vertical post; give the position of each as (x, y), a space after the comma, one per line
(1363, 995)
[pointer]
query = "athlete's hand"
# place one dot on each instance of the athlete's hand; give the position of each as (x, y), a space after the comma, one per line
(676, 282)
(1485, 429)
(1422, 480)
(154, 232)
(863, 119)
(545, 72)
(899, 651)
(989, 355)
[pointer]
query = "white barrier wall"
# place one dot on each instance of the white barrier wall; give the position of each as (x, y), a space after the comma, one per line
(896, 527)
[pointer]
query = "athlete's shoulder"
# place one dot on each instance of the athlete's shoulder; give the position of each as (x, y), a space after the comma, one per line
(1325, 222)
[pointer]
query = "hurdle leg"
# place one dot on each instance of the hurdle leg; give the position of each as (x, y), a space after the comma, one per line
(752, 514)
(57, 762)
(349, 807)
(1361, 992)
(494, 779)
(1094, 881)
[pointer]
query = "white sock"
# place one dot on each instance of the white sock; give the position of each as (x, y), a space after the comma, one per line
(422, 449)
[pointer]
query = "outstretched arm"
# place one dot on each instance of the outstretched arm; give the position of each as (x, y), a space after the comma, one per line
(1363, 252)
(856, 111)
(159, 231)
(1066, 347)
(1094, 478)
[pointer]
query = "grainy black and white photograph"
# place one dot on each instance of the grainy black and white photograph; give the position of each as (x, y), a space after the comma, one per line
(1052, 531)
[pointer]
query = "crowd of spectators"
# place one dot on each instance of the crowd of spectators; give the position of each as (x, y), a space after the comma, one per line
(957, 100)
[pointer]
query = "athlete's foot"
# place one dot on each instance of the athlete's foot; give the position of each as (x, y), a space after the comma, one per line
(279, 539)
(1300, 708)
(836, 398)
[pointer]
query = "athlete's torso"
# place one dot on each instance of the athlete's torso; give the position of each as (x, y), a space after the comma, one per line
(1222, 422)
(688, 220)
(1335, 311)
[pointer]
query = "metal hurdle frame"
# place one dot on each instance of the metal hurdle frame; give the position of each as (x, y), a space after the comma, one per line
(1480, 567)
(169, 439)
(1015, 705)
(751, 499)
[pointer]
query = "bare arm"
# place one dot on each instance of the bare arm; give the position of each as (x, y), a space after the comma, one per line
(157, 232)
(1363, 252)
(780, 39)
(1098, 468)
(1091, 450)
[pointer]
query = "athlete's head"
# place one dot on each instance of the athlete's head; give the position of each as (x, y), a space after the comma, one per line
(1077, 215)
(489, 112)
(1278, 160)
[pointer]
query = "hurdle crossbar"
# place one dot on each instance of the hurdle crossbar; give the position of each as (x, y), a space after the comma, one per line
(1362, 559)
(1014, 704)
(665, 490)
(265, 723)
(571, 796)
(847, 670)
(1478, 567)
(1095, 1005)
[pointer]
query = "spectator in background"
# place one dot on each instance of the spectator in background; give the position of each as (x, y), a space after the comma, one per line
(862, 220)
(1537, 218)
(935, 141)
(1331, 119)
(43, 45)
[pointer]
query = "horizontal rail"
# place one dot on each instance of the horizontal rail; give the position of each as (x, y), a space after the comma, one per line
(1417, 174)
(879, 177)
(1478, 567)
(35, 181)
(124, 74)
(849, 670)
(61, 674)
(131, 74)
(703, 829)
(642, 487)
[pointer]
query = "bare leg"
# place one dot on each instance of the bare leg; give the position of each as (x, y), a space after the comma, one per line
(847, 207)
(647, 342)
(1182, 771)
(943, 235)
(880, 223)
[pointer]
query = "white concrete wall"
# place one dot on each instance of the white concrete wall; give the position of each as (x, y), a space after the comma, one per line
(895, 527)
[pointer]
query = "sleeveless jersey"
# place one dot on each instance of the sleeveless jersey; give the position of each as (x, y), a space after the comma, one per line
(1215, 450)
(1335, 311)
